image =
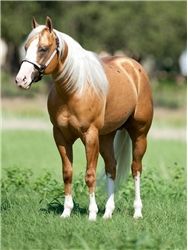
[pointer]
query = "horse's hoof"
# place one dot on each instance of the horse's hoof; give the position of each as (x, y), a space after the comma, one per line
(137, 215)
(107, 216)
(66, 214)
(92, 217)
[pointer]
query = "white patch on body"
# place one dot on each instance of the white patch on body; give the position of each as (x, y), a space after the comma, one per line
(110, 205)
(93, 209)
(137, 201)
(68, 206)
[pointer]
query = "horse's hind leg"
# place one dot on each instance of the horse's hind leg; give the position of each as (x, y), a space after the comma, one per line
(107, 152)
(139, 142)
(65, 150)
(139, 148)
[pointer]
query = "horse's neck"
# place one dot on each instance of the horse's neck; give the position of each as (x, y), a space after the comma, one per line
(68, 68)
(78, 69)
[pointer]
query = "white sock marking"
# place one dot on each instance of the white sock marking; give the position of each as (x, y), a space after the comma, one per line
(68, 206)
(93, 209)
(137, 201)
(110, 205)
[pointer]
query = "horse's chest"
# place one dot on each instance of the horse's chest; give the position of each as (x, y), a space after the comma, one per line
(75, 115)
(64, 119)
(67, 121)
(59, 112)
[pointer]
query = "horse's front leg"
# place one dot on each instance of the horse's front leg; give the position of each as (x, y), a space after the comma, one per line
(65, 150)
(91, 142)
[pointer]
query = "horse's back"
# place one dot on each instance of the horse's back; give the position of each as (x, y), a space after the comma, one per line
(129, 69)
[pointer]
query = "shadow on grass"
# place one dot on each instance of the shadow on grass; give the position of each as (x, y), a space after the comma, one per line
(57, 207)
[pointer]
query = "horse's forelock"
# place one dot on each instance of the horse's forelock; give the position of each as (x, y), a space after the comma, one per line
(35, 32)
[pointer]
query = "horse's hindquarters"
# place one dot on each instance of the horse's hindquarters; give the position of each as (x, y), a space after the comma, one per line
(129, 92)
(121, 99)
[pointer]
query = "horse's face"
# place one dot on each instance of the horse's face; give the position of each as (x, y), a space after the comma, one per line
(41, 55)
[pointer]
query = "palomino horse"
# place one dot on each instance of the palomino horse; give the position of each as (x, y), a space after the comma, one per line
(94, 99)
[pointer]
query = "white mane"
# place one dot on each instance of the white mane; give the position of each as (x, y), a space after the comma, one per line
(81, 66)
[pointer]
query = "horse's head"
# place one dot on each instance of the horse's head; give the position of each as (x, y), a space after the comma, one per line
(42, 48)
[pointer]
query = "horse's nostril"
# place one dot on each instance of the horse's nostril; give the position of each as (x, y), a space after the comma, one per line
(21, 80)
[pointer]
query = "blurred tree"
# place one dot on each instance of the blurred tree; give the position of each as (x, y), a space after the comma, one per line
(141, 28)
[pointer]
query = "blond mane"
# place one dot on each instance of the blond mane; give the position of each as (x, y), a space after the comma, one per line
(81, 67)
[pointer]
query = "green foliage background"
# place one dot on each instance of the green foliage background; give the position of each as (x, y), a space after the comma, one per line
(140, 28)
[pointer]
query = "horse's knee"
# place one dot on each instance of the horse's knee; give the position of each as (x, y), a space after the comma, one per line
(90, 178)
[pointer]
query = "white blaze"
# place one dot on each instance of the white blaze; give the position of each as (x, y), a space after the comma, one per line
(23, 77)
(31, 53)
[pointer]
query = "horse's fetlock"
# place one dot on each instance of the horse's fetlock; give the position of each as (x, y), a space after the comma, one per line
(93, 208)
(136, 167)
(111, 173)
(137, 204)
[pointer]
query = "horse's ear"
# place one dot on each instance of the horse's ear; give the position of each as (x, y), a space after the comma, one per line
(34, 23)
(49, 23)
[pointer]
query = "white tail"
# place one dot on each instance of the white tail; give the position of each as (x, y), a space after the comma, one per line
(122, 150)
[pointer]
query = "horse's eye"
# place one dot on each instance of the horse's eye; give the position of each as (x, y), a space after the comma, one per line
(42, 49)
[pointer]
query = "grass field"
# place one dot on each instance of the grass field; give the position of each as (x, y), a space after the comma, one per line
(32, 199)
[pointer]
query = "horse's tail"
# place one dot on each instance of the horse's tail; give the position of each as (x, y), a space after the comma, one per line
(122, 150)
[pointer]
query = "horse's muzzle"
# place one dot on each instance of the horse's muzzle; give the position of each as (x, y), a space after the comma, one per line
(23, 82)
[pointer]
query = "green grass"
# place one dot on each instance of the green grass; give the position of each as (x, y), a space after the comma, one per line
(36, 150)
(26, 227)
(32, 199)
